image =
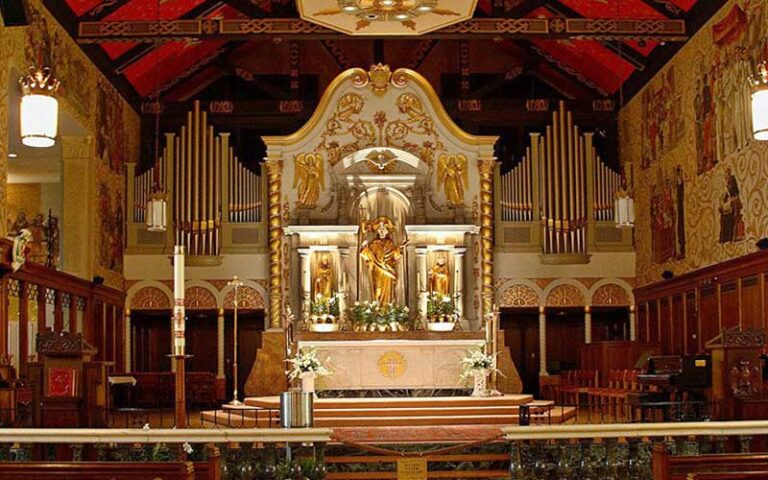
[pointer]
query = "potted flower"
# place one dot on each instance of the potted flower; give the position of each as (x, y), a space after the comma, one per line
(306, 366)
(324, 314)
(442, 314)
(374, 317)
(477, 365)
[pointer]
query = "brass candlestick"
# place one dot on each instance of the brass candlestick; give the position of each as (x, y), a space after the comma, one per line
(236, 284)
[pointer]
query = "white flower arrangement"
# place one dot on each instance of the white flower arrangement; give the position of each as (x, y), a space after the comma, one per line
(306, 361)
(477, 361)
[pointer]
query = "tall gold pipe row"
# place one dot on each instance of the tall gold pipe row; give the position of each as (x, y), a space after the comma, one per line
(607, 182)
(244, 188)
(561, 162)
(516, 196)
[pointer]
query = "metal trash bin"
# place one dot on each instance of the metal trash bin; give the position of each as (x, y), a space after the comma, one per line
(296, 409)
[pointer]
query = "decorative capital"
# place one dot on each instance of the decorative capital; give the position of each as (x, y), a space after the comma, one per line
(486, 165)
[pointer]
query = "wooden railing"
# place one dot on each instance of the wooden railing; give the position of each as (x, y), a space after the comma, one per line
(683, 467)
(62, 302)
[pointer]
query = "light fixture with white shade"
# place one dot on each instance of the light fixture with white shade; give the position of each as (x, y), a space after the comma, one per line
(760, 102)
(624, 209)
(39, 115)
(156, 214)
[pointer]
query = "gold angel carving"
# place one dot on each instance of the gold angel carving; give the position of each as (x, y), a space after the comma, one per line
(453, 176)
(309, 177)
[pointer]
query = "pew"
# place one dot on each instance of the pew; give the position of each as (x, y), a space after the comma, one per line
(707, 467)
(97, 471)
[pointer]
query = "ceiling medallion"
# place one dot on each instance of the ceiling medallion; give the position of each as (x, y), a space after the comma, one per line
(386, 17)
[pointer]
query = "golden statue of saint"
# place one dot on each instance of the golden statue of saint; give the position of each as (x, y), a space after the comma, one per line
(440, 278)
(324, 277)
(453, 175)
(381, 256)
(309, 176)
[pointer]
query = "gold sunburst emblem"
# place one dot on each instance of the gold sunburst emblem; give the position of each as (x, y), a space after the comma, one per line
(392, 364)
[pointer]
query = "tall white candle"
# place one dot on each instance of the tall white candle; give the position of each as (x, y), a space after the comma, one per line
(178, 305)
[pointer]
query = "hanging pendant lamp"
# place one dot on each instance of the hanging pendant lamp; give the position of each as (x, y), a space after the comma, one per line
(39, 111)
(760, 103)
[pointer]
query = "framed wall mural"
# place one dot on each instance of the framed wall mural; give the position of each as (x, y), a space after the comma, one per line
(668, 216)
(731, 210)
(110, 142)
(111, 228)
(663, 126)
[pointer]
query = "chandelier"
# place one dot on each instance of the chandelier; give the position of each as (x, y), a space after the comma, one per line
(760, 102)
(39, 116)
(387, 10)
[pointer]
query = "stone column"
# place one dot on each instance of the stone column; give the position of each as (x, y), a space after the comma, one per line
(587, 325)
(632, 324)
(306, 281)
(421, 280)
(542, 342)
(128, 340)
(220, 345)
(458, 279)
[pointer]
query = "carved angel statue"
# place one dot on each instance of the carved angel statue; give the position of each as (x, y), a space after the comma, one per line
(309, 176)
(453, 176)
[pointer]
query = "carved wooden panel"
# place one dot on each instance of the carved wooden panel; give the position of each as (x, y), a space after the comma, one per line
(150, 298)
(565, 296)
(199, 298)
(248, 298)
(609, 295)
(519, 296)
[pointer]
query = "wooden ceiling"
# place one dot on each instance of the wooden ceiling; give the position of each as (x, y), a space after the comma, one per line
(599, 62)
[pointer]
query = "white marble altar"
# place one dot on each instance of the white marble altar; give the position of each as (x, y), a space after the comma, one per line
(392, 364)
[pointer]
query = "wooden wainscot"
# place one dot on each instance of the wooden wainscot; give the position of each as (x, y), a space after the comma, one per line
(70, 388)
(87, 470)
(737, 369)
(710, 467)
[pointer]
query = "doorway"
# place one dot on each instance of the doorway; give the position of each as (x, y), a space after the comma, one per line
(521, 336)
(250, 326)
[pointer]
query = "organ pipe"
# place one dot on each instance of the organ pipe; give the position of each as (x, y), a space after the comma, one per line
(573, 186)
(198, 184)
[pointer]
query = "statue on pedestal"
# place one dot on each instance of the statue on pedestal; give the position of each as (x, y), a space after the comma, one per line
(440, 278)
(381, 256)
(323, 285)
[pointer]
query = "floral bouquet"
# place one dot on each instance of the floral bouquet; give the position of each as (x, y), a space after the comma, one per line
(477, 365)
(324, 311)
(306, 363)
(441, 308)
(373, 316)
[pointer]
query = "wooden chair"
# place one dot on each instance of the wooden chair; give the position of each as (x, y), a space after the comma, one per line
(707, 467)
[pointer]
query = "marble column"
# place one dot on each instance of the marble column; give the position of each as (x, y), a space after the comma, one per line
(220, 345)
(422, 281)
(128, 340)
(458, 280)
(306, 281)
(632, 324)
(542, 342)
(587, 325)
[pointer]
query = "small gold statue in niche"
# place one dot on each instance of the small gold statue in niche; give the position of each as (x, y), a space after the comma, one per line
(323, 286)
(309, 176)
(382, 256)
(440, 277)
(453, 176)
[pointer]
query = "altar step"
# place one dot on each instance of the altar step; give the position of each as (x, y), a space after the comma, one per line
(389, 412)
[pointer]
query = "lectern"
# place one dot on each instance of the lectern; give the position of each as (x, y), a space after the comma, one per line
(70, 389)
(736, 369)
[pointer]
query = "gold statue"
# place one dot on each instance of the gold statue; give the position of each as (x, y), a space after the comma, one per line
(309, 175)
(453, 175)
(440, 278)
(324, 277)
(381, 256)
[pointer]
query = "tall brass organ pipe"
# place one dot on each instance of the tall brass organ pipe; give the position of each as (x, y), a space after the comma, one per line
(516, 192)
(245, 193)
(606, 183)
(560, 159)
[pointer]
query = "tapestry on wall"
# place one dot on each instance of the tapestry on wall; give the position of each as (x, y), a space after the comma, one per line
(111, 219)
(705, 193)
